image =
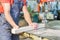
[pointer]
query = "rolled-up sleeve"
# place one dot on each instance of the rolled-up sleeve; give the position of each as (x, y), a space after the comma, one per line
(7, 1)
(24, 2)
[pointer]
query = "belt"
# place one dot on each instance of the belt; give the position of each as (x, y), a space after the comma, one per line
(0, 14)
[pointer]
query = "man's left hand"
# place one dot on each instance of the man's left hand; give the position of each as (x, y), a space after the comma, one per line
(34, 25)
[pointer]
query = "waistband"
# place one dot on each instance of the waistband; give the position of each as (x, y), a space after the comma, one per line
(0, 14)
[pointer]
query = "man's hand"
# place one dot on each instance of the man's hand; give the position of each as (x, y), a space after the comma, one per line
(28, 18)
(34, 25)
(16, 27)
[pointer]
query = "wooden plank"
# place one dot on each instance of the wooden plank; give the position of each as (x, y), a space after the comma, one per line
(41, 31)
(27, 28)
(46, 32)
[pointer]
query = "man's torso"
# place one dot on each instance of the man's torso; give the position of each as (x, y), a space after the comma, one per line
(22, 2)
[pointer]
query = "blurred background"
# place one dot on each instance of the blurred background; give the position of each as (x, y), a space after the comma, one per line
(44, 11)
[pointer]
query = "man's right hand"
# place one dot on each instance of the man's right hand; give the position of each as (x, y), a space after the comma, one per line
(16, 27)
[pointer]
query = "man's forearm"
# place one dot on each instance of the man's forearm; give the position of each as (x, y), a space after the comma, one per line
(27, 15)
(28, 18)
(8, 17)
